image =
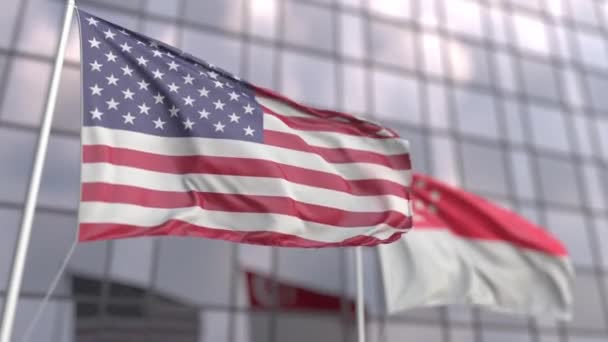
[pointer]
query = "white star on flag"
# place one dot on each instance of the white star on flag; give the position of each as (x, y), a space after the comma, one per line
(188, 79)
(234, 118)
(173, 87)
(188, 101)
(234, 96)
(128, 94)
(92, 21)
(96, 114)
(203, 92)
(248, 109)
(203, 114)
(94, 43)
(158, 74)
(96, 90)
(158, 123)
(125, 47)
(129, 118)
(109, 34)
(112, 104)
(95, 66)
(142, 61)
(112, 80)
(111, 57)
(143, 85)
(219, 105)
(127, 71)
(188, 124)
(249, 130)
(219, 127)
(173, 65)
(143, 108)
(173, 110)
(159, 99)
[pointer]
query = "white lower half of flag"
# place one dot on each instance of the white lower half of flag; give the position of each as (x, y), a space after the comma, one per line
(435, 267)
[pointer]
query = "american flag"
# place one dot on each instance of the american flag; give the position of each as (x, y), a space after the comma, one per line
(173, 145)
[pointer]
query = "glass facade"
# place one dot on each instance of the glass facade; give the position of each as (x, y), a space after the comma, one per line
(506, 98)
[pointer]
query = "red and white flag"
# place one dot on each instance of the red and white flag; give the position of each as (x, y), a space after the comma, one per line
(465, 250)
(173, 145)
(291, 296)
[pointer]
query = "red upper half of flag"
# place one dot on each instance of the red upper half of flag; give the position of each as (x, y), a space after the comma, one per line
(441, 206)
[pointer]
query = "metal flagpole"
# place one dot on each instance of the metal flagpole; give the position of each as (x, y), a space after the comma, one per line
(360, 297)
(10, 305)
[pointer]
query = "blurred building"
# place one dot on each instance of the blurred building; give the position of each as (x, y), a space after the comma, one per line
(506, 98)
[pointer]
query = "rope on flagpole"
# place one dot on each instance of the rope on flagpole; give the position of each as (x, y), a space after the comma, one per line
(27, 220)
(49, 292)
(360, 296)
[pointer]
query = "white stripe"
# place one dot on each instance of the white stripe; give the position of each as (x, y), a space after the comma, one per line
(386, 146)
(238, 149)
(261, 186)
(436, 267)
(128, 214)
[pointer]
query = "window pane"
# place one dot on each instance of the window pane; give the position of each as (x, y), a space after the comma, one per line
(531, 34)
(395, 331)
(513, 118)
(597, 90)
(9, 11)
(444, 160)
(396, 97)
(60, 186)
(162, 7)
(587, 311)
(40, 32)
(582, 126)
(557, 171)
(392, 45)
(68, 111)
(217, 49)
(138, 253)
(10, 225)
(549, 128)
(309, 79)
(506, 336)
(208, 283)
(585, 12)
(476, 113)
(593, 49)
(31, 78)
(438, 112)
(539, 80)
(432, 53)
(506, 75)
(602, 127)
(469, 64)
(309, 26)
(354, 89)
(399, 9)
(593, 184)
(601, 230)
(263, 17)
(522, 175)
(569, 227)
(218, 13)
(16, 158)
(464, 16)
(351, 30)
(260, 66)
(302, 328)
(418, 150)
(484, 168)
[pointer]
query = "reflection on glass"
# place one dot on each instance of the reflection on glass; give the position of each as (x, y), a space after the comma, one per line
(549, 128)
(392, 8)
(392, 45)
(263, 17)
(309, 79)
(308, 26)
(396, 98)
(464, 16)
(531, 34)
(476, 113)
(484, 168)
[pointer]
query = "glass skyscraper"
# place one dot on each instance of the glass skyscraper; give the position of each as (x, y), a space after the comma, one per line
(505, 98)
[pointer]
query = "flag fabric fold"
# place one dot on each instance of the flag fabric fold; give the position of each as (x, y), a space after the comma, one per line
(173, 145)
(465, 250)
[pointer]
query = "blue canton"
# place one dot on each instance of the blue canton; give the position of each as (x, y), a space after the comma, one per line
(138, 84)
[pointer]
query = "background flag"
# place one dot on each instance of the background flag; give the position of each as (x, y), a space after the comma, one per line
(464, 250)
(291, 296)
(175, 146)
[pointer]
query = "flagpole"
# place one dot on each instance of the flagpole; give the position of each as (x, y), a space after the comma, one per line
(16, 277)
(360, 298)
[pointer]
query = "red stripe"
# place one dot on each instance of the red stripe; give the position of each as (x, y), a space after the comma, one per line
(315, 124)
(337, 155)
(104, 192)
(239, 167)
(106, 231)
